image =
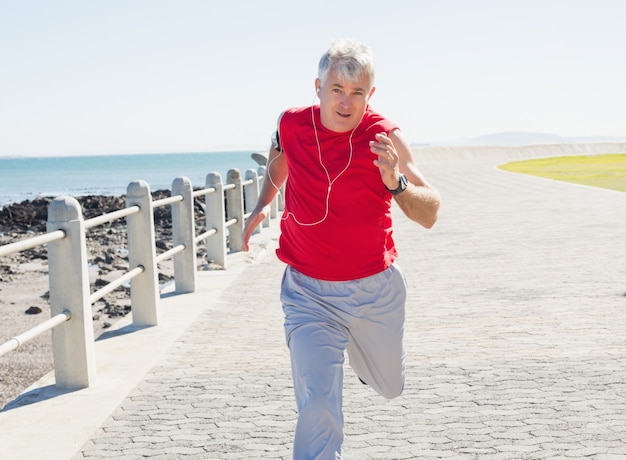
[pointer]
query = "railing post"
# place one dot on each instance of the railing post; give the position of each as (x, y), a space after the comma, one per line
(251, 193)
(144, 288)
(262, 172)
(183, 229)
(72, 341)
(234, 210)
(216, 219)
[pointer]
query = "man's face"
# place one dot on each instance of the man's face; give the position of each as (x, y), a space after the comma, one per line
(343, 103)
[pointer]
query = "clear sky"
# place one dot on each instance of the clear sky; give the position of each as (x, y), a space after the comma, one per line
(141, 76)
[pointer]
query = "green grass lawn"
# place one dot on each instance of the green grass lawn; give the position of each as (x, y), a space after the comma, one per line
(604, 171)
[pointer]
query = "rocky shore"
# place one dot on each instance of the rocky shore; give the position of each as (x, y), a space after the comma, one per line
(24, 280)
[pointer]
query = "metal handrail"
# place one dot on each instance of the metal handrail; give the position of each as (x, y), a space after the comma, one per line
(204, 191)
(166, 201)
(108, 217)
(205, 235)
(110, 287)
(21, 339)
(30, 243)
(170, 252)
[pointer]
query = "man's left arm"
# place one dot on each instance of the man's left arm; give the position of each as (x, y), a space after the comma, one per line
(419, 201)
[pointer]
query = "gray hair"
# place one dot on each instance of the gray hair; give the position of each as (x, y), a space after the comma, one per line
(349, 59)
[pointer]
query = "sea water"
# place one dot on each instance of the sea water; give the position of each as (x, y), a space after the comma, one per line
(29, 177)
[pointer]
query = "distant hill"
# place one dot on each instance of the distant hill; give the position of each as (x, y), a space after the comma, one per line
(515, 138)
(529, 138)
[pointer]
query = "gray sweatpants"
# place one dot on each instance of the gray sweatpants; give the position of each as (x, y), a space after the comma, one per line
(322, 320)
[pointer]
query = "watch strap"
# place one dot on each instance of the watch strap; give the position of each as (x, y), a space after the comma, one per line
(402, 185)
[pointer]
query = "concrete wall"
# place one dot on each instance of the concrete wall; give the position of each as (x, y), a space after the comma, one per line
(503, 154)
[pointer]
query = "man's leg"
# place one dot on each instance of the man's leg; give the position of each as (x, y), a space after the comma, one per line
(317, 344)
(317, 356)
(376, 349)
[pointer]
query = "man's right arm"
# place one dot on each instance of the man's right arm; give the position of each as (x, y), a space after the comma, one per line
(275, 176)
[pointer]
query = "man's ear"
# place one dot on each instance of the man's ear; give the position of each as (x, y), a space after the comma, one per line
(318, 86)
(371, 93)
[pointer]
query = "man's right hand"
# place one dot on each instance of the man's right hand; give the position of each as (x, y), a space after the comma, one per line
(255, 219)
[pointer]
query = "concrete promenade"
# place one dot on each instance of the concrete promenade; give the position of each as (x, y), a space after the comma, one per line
(515, 332)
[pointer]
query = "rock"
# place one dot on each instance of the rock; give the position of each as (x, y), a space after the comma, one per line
(100, 283)
(31, 215)
(8, 270)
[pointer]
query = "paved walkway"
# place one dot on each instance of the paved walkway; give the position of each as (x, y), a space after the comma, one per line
(516, 331)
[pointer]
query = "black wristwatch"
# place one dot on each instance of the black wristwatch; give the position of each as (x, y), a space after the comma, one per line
(401, 186)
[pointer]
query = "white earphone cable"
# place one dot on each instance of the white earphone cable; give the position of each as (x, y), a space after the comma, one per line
(329, 180)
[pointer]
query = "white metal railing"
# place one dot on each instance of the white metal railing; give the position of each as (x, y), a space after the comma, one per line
(226, 207)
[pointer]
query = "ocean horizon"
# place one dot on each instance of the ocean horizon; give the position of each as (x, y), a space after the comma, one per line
(26, 178)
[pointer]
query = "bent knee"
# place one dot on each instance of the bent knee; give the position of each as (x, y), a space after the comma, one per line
(391, 390)
(392, 394)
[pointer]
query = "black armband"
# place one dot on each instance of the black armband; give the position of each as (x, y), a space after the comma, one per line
(276, 141)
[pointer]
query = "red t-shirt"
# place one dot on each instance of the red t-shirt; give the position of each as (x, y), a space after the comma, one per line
(336, 225)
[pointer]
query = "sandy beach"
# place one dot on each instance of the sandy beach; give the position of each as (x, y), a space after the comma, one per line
(24, 281)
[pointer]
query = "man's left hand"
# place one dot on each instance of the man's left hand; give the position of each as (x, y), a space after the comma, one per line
(387, 161)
